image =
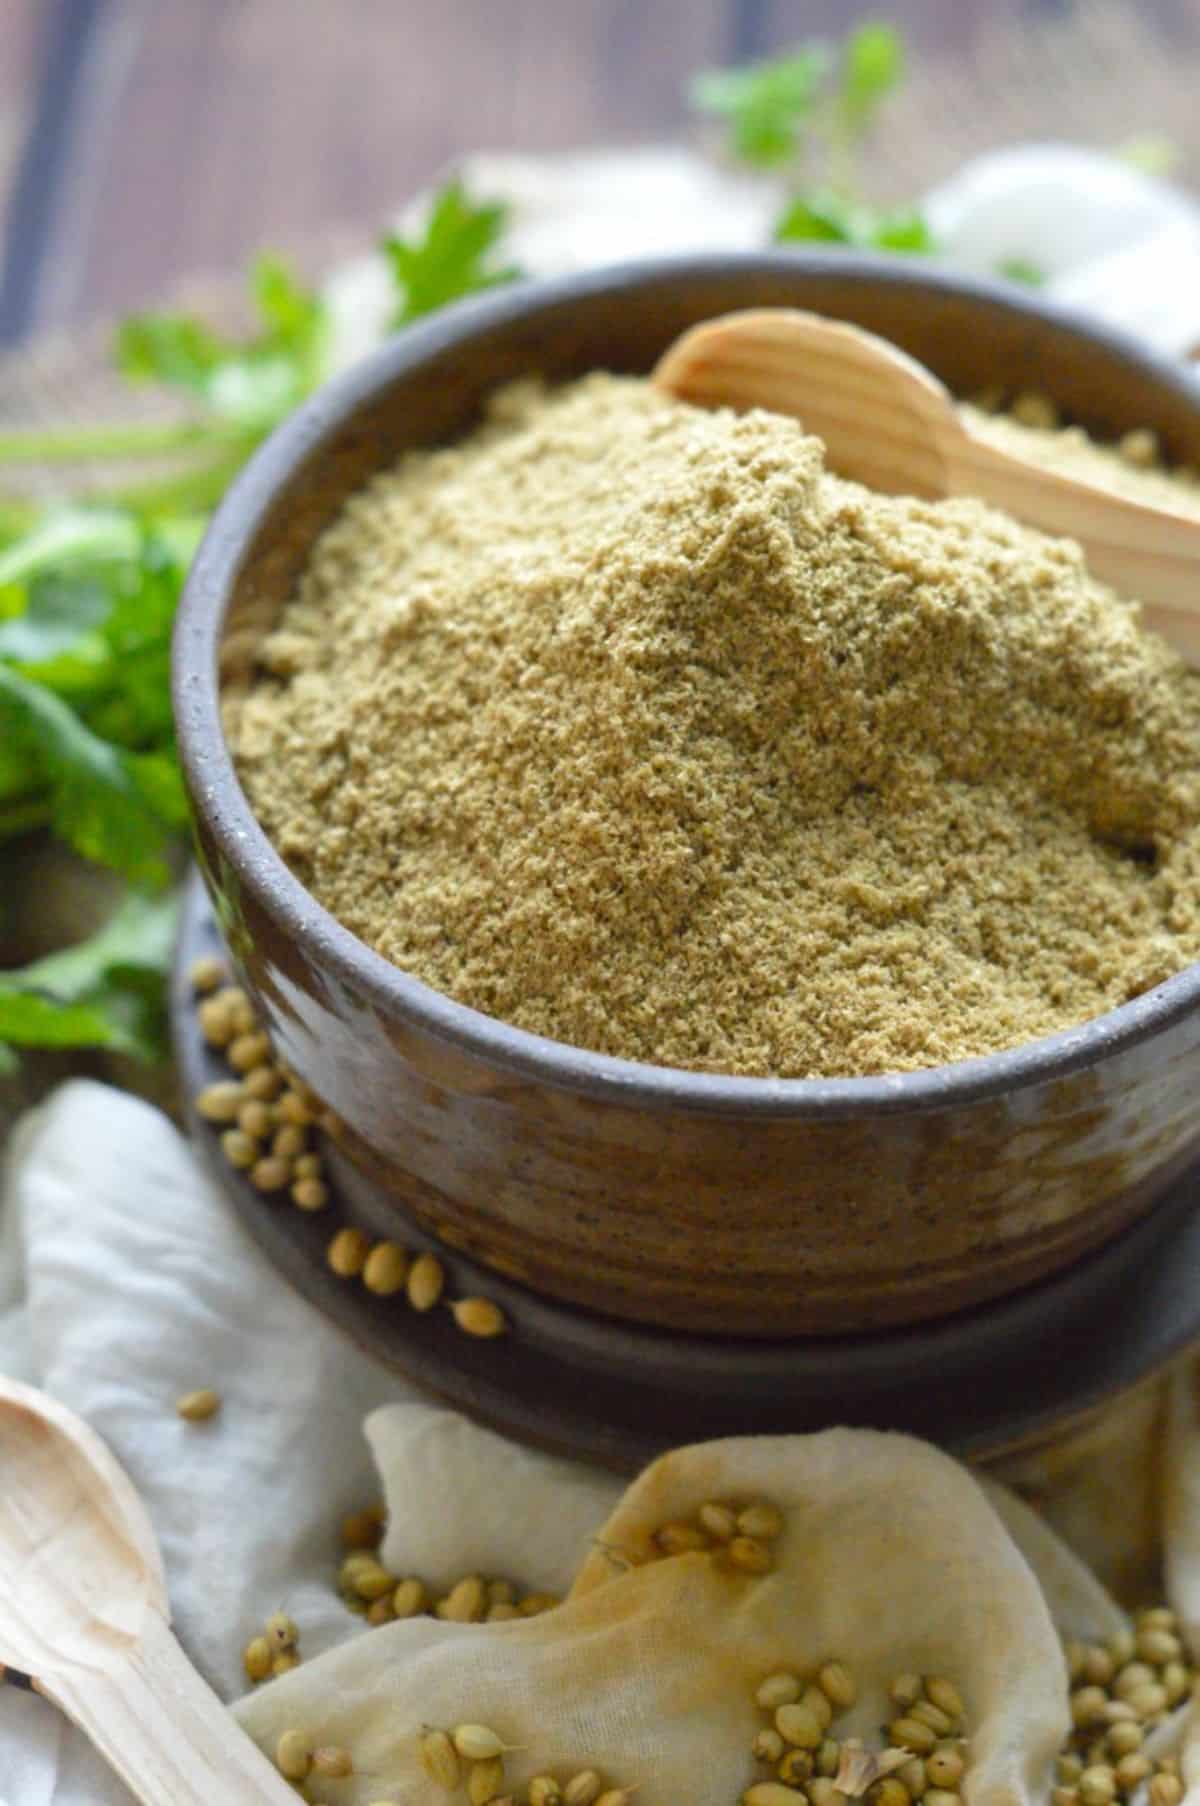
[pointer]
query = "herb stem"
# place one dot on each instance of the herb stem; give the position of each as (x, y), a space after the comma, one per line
(137, 439)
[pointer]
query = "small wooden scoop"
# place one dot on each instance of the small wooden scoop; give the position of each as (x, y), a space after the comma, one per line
(83, 1617)
(888, 422)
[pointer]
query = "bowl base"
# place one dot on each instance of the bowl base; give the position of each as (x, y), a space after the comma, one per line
(987, 1381)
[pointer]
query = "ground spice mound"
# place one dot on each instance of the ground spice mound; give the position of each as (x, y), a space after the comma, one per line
(625, 722)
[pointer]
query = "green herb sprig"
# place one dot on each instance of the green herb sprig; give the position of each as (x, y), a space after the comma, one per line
(88, 593)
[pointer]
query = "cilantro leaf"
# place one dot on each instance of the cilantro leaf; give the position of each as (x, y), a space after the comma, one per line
(827, 218)
(251, 383)
(107, 991)
(872, 65)
(767, 105)
(451, 257)
(60, 607)
(96, 798)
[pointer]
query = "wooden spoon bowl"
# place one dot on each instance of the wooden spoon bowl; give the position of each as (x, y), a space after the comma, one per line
(84, 1617)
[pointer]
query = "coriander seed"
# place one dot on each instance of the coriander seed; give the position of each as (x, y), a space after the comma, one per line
(270, 1174)
(838, 1685)
(465, 1603)
(220, 1103)
(347, 1253)
(199, 1406)
(335, 1764)
(477, 1742)
(293, 1755)
(409, 1598)
(782, 1689)
(241, 1150)
(718, 1521)
(544, 1790)
(797, 1724)
(426, 1282)
(485, 1780)
(310, 1194)
(281, 1631)
(585, 1788)
(284, 1662)
(768, 1746)
(439, 1758)
(912, 1734)
(256, 1659)
(750, 1556)
(762, 1522)
(386, 1269)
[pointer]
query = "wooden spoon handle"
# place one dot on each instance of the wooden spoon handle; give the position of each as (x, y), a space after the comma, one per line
(1143, 552)
(164, 1731)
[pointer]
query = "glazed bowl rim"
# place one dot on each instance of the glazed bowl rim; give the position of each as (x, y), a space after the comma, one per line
(218, 795)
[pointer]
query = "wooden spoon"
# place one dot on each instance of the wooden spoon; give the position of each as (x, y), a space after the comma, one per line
(888, 422)
(84, 1617)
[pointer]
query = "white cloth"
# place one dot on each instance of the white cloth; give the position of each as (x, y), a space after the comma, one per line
(124, 1280)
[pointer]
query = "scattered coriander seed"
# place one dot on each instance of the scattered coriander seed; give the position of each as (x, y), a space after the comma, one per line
(534, 1604)
(310, 1194)
(465, 1603)
(751, 1556)
(1120, 1647)
(241, 1011)
(911, 1734)
(363, 1530)
(718, 1521)
(1142, 448)
(1118, 1711)
(1064, 1796)
(241, 1150)
(256, 1659)
(838, 1685)
(335, 1764)
(288, 1142)
(905, 1690)
(1098, 1665)
(939, 1722)
(938, 1796)
(1087, 1706)
(585, 1788)
(1158, 1646)
(214, 1021)
(672, 1539)
(822, 1792)
(502, 1612)
(281, 1631)
(1034, 409)
(220, 1102)
(1148, 1700)
(1175, 1682)
(888, 1791)
(439, 1758)
(1157, 1617)
(829, 1758)
(796, 1767)
(477, 1742)
(1132, 1770)
(501, 1592)
(1076, 1655)
(263, 1084)
(916, 1779)
(347, 1253)
(798, 1725)
(254, 1118)
(409, 1598)
(818, 1704)
(284, 1662)
(206, 973)
(945, 1695)
(308, 1166)
(270, 1174)
(247, 1051)
(1131, 1677)
(544, 1790)
(616, 1796)
(371, 1581)
(485, 1780)
(944, 1767)
(293, 1756)
(199, 1406)
(761, 1522)
(1097, 1786)
(294, 1107)
(381, 1611)
(769, 1793)
(776, 1690)
(1124, 1739)
(386, 1269)
(426, 1282)
(1166, 1790)
(768, 1746)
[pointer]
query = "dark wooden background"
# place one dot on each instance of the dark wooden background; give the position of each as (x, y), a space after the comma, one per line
(146, 140)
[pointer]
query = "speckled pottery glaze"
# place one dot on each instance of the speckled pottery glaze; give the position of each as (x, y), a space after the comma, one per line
(738, 1207)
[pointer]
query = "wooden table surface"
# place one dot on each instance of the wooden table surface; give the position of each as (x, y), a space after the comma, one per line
(143, 141)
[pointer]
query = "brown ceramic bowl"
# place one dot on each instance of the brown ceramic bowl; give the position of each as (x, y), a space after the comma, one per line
(730, 1206)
